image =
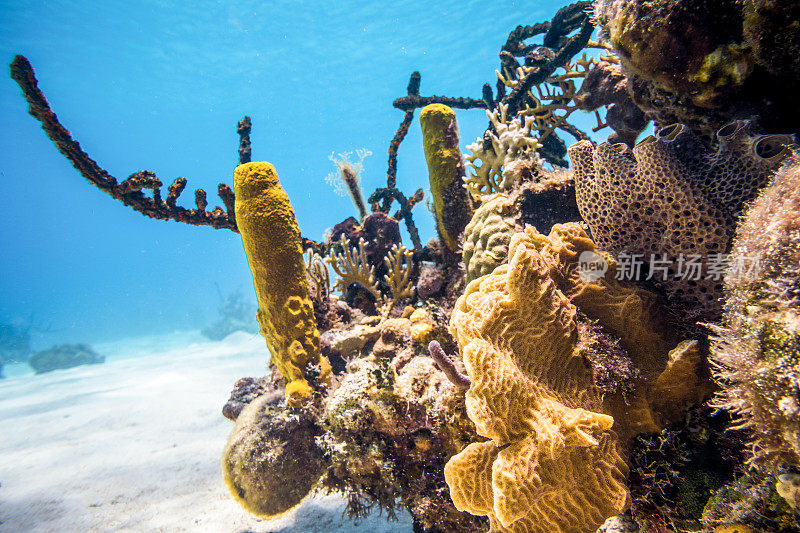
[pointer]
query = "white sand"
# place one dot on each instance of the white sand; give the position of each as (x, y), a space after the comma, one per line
(133, 444)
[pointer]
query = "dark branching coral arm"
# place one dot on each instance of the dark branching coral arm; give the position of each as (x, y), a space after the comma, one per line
(565, 21)
(129, 191)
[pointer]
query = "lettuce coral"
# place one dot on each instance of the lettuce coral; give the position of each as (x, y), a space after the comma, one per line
(552, 463)
(535, 335)
(274, 251)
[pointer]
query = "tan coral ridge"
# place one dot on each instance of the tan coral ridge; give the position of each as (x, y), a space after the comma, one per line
(555, 458)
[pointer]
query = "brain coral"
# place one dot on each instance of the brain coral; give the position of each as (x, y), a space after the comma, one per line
(487, 236)
(757, 356)
(672, 200)
(552, 463)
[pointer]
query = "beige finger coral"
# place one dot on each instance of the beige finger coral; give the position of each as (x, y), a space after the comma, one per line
(552, 463)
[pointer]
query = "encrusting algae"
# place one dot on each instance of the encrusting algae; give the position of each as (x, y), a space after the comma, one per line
(546, 383)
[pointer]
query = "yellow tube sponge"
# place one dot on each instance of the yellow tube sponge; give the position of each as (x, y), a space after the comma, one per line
(274, 251)
(552, 463)
(451, 200)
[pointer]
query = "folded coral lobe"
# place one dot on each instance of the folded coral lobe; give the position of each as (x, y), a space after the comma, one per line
(553, 463)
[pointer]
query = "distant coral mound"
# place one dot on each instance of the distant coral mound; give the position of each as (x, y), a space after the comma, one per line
(64, 356)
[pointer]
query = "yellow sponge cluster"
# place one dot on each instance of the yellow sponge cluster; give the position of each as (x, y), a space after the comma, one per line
(553, 463)
(274, 251)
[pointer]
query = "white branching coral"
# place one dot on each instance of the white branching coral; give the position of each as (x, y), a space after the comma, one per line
(511, 140)
(347, 178)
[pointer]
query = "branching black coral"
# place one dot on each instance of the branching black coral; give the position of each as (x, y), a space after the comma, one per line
(129, 192)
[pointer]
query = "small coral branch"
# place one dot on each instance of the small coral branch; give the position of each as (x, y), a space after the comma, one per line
(243, 129)
(352, 267)
(415, 101)
(447, 366)
(565, 21)
(399, 262)
(404, 213)
(129, 192)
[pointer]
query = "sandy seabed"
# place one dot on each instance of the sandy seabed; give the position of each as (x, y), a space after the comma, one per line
(133, 444)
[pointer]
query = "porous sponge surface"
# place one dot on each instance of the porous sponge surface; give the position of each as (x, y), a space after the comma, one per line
(273, 246)
(555, 464)
(673, 197)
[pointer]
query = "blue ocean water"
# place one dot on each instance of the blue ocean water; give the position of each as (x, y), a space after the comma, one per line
(159, 86)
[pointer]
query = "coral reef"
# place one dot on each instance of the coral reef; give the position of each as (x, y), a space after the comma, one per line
(272, 244)
(451, 202)
(672, 201)
(543, 384)
(674, 472)
(64, 356)
(757, 353)
(390, 428)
